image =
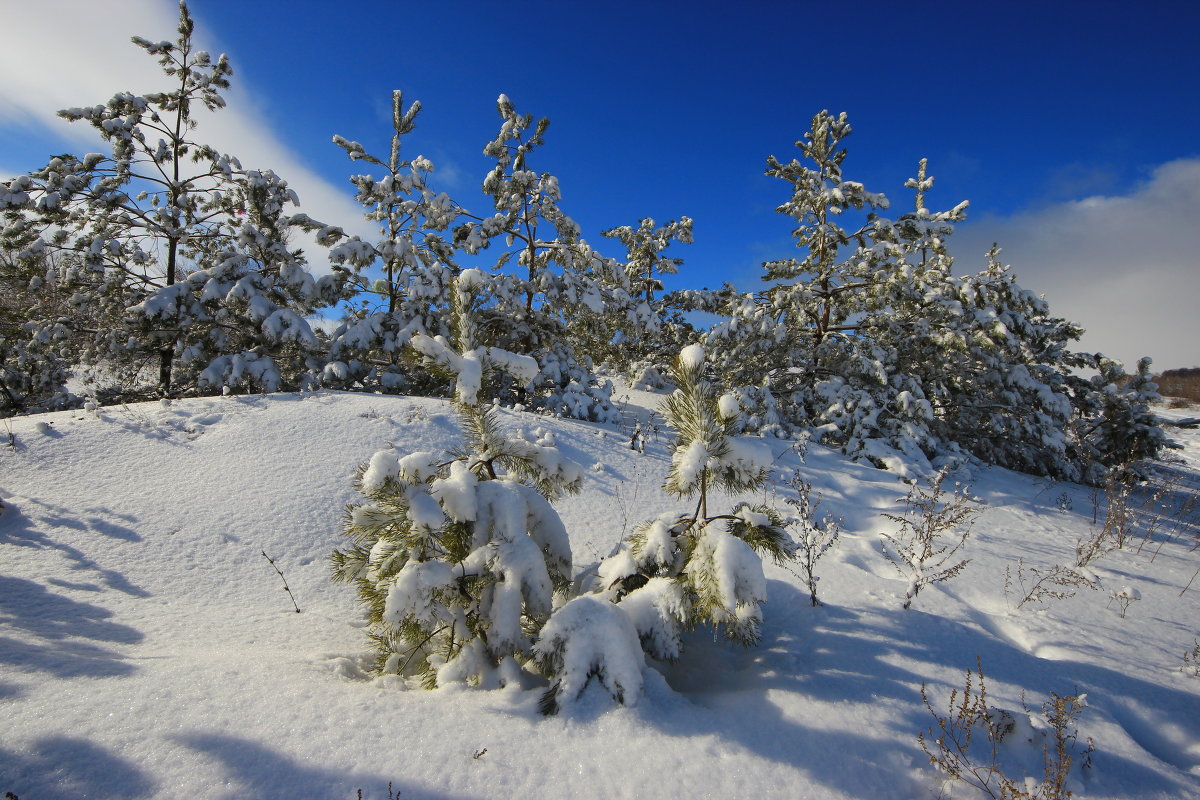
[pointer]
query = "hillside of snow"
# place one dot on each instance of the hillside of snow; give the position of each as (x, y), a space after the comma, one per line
(148, 650)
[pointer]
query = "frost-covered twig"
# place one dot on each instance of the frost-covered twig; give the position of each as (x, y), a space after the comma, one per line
(1191, 661)
(1061, 581)
(1190, 581)
(1058, 582)
(1125, 598)
(286, 588)
(950, 740)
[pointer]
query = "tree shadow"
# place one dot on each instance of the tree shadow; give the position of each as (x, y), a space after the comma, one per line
(63, 637)
(253, 770)
(19, 529)
(842, 658)
(62, 766)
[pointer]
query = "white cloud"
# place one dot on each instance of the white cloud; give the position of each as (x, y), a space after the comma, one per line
(59, 54)
(1126, 268)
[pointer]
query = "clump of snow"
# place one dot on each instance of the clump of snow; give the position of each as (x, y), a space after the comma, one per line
(456, 493)
(657, 611)
(690, 461)
(589, 639)
(383, 466)
(728, 406)
(739, 575)
(412, 591)
(692, 356)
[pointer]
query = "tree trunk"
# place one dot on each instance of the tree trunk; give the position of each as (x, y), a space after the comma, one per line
(167, 354)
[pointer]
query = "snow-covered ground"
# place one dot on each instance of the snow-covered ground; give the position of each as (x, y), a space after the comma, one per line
(147, 649)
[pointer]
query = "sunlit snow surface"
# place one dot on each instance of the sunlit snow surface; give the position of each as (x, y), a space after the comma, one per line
(148, 650)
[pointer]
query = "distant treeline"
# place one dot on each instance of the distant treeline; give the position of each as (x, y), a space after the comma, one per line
(1183, 382)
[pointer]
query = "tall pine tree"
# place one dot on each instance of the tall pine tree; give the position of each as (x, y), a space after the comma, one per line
(180, 252)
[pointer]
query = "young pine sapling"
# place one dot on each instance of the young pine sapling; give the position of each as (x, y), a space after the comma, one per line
(458, 555)
(679, 570)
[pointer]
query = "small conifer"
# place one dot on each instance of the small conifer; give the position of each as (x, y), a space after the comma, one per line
(458, 555)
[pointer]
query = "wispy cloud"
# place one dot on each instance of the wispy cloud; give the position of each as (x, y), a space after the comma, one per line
(1125, 267)
(92, 58)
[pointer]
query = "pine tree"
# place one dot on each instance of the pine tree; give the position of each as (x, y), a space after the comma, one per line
(1115, 429)
(564, 287)
(36, 346)
(1008, 386)
(458, 555)
(680, 570)
(792, 347)
(820, 291)
(643, 342)
(369, 348)
(179, 251)
(903, 342)
(823, 348)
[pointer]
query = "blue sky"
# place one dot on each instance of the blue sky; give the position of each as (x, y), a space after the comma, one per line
(1072, 127)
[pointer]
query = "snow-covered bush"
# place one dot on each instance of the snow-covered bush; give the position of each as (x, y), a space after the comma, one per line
(814, 535)
(37, 344)
(933, 528)
(566, 386)
(1116, 427)
(32, 377)
(679, 570)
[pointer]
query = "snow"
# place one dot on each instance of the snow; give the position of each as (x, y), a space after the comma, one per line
(383, 466)
(456, 492)
(690, 462)
(738, 570)
(147, 649)
(692, 356)
(590, 638)
(413, 589)
(728, 406)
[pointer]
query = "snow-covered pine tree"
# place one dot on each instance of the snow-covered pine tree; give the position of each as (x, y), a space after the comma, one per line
(177, 249)
(822, 290)
(458, 555)
(1006, 392)
(646, 339)
(1114, 427)
(36, 347)
(750, 351)
(910, 306)
(778, 346)
(368, 349)
(564, 287)
(680, 570)
(800, 354)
